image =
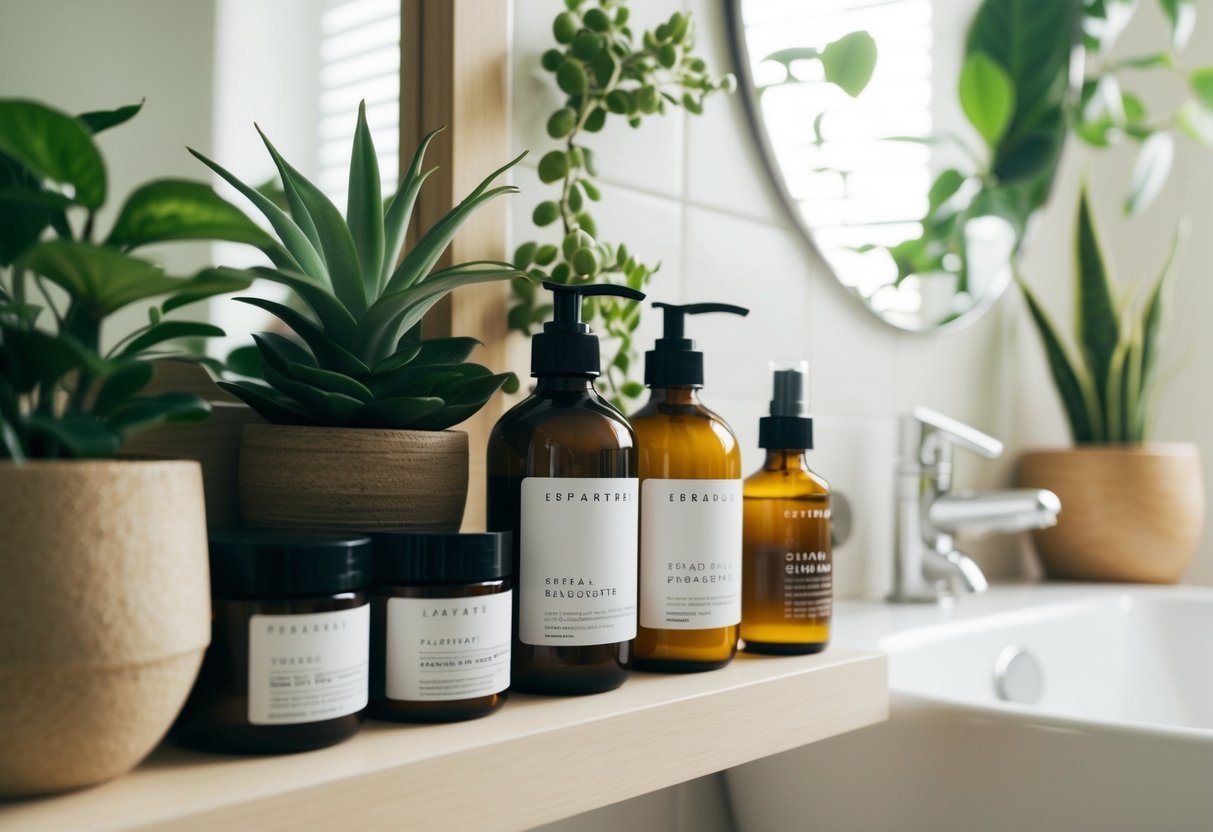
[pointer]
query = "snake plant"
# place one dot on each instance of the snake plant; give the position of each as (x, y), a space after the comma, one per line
(358, 360)
(1111, 389)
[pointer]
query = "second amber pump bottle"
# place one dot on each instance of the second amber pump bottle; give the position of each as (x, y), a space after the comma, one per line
(690, 497)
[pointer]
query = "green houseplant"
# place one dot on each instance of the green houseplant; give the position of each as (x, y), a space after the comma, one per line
(606, 70)
(90, 680)
(360, 402)
(1134, 510)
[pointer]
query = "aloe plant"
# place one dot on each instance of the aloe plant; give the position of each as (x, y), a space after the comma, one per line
(1109, 386)
(61, 395)
(358, 359)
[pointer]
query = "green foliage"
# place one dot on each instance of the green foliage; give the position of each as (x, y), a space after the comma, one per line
(986, 96)
(358, 359)
(1109, 385)
(60, 396)
(607, 70)
(1109, 113)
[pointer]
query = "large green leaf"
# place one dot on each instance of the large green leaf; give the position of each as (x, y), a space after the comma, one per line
(850, 61)
(1097, 327)
(53, 145)
(1072, 387)
(176, 209)
(104, 279)
(396, 221)
(96, 121)
(306, 256)
(31, 357)
(986, 96)
(26, 209)
(364, 209)
(340, 256)
(127, 379)
(77, 436)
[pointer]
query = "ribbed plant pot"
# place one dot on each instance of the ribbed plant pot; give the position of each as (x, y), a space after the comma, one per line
(1129, 513)
(104, 615)
(353, 479)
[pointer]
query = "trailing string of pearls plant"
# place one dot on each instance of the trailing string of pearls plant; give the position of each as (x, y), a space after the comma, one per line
(606, 70)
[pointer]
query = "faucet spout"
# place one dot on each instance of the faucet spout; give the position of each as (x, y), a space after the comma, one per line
(982, 512)
(955, 565)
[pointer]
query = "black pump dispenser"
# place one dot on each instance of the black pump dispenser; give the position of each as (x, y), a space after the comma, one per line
(567, 347)
(789, 426)
(674, 361)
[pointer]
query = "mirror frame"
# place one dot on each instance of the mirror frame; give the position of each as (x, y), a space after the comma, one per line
(745, 82)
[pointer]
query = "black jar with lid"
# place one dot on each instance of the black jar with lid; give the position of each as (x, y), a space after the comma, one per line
(440, 626)
(287, 666)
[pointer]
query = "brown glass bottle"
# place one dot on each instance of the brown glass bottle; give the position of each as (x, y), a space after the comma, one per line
(562, 477)
(787, 583)
(680, 439)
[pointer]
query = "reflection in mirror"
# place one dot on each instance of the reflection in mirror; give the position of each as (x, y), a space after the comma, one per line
(911, 139)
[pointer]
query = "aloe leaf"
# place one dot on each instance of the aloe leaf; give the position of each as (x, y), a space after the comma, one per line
(280, 352)
(336, 243)
(398, 413)
(324, 406)
(336, 320)
(448, 416)
(476, 388)
(330, 381)
(328, 352)
(1098, 324)
(453, 350)
(1153, 313)
(413, 381)
(418, 262)
(364, 210)
(1116, 418)
(1075, 392)
(53, 145)
(396, 221)
(168, 331)
(292, 236)
(401, 358)
(1131, 389)
(268, 402)
(176, 209)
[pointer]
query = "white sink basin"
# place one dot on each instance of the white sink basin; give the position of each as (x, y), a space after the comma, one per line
(1115, 733)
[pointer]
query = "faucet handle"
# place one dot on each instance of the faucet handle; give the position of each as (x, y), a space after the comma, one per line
(939, 427)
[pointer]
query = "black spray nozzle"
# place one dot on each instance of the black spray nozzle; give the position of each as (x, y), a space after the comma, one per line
(674, 362)
(566, 346)
(789, 426)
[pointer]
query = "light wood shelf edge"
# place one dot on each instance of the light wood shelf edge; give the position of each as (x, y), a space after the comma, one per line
(536, 761)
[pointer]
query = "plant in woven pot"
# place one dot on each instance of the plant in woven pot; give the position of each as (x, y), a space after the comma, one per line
(1133, 510)
(360, 404)
(104, 601)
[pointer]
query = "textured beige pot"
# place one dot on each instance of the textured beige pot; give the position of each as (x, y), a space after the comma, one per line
(104, 615)
(1128, 513)
(353, 479)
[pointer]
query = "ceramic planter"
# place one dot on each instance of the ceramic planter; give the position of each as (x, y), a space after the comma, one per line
(104, 615)
(353, 479)
(1128, 512)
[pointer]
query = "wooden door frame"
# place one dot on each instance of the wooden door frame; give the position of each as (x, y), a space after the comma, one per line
(454, 71)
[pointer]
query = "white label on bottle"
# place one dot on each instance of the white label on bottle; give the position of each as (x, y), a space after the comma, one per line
(690, 554)
(577, 571)
(448, 648)
(307, 668)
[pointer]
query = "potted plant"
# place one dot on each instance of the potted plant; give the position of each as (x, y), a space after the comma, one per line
(1133, 510)
(360, 404)
(104, 602)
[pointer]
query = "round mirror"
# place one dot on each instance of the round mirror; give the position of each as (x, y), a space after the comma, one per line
(912, 140)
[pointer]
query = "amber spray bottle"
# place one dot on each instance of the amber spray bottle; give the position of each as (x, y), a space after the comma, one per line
(562, 478)
(690, 511)
(787, 574)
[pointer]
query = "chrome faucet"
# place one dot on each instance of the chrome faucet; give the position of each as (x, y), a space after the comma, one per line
(927, 565)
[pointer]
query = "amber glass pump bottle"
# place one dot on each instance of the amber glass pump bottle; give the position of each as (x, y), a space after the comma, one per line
(787, 573)
(690, 511)
(562, 478)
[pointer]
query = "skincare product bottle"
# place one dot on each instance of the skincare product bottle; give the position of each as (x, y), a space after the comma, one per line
(286, 669)
(690, 511)
(562, 478)
(440, 625)
(787, 585)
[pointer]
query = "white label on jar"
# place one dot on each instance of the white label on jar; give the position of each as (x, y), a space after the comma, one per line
(307, 668)
(577, 572)
(448, 648)
(690, 554)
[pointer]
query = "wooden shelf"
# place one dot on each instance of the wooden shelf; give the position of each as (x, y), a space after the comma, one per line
(537, 760)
